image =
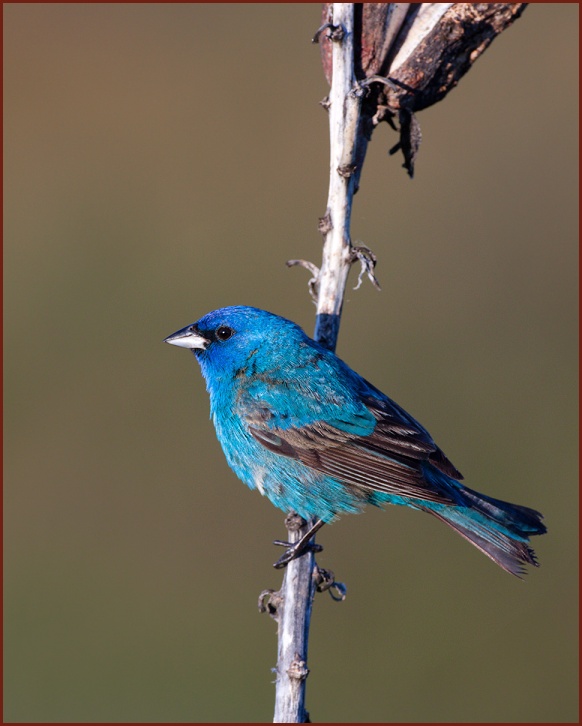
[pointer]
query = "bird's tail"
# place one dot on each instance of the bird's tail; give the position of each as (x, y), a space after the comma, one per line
(499, 529)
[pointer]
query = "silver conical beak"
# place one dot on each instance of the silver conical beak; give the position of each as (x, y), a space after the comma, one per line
(188, 337)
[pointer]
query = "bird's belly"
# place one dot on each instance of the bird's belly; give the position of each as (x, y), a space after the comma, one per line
(288, 483)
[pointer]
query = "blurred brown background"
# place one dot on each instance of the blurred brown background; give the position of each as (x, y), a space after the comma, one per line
(162, 160)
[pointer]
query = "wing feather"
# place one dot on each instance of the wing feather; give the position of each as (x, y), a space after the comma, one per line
(389, 460)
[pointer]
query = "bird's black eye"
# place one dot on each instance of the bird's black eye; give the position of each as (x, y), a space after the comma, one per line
(224, 332)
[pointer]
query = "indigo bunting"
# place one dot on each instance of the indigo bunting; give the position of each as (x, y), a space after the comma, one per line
(299, 425)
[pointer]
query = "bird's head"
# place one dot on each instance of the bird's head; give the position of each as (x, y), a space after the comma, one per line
(229, 339)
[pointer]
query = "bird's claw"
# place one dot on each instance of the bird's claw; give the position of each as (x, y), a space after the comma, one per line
(294, 550)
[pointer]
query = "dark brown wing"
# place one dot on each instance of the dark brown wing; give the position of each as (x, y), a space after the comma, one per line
(399, 433)
(389, 460)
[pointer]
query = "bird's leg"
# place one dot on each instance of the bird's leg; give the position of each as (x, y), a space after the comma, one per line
(296, 549)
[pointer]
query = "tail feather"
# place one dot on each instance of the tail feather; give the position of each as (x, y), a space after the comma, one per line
(521, 520)
(499, 529)
(508, 553)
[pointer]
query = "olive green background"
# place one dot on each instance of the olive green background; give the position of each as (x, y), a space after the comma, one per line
(162, 160)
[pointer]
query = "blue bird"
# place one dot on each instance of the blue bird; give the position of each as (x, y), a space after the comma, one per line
(298, 424)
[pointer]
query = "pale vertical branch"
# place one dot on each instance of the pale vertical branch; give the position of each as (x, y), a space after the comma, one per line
(294, 616)
(344, 117)
(299, 581)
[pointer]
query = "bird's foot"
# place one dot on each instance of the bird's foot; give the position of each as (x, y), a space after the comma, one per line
(294, 524)
(294, 550)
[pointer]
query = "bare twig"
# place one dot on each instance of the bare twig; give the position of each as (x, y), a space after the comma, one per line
(313, 280)
(294, 616)
(344, 118)
(302, 576)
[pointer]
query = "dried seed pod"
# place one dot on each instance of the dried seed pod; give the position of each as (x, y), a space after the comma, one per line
(408, 56)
